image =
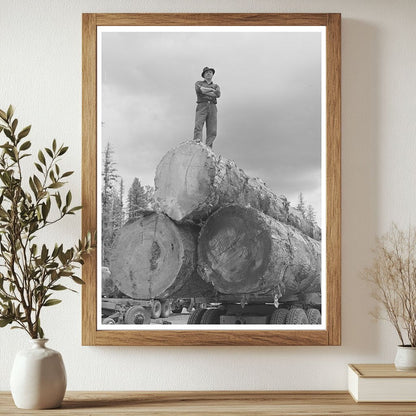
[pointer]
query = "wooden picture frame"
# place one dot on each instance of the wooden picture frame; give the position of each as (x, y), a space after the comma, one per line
(331, 334)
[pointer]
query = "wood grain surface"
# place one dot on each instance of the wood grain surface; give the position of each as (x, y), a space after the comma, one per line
(333, 179)
(332, 334)
(269, 403)
(212, 19)
(89, 173)
(381, 371)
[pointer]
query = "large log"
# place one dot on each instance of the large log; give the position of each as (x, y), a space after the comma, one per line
(243, 252)
(155, 258)
(192, 182)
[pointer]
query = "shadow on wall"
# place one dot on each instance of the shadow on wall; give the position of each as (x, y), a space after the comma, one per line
(360, 180)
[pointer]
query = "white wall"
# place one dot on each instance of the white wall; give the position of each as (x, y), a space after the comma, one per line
(40, 73)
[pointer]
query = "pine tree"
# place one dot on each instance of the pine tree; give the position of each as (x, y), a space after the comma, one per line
(121, 195)
(109, 176)
(301, 204)
(117, 210)
(310, 214)
(137, 200)
(149, 194)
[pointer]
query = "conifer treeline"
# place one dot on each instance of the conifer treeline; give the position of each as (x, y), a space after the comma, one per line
(116, 209)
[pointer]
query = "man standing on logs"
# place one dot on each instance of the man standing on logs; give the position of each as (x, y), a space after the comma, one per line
(206, 110)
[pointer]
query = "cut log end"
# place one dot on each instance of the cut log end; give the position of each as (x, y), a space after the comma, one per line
(150, 258)
(234, 250)
(184, 179)
(242, 251)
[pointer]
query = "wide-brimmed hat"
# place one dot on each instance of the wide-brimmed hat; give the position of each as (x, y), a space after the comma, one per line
(207, 69)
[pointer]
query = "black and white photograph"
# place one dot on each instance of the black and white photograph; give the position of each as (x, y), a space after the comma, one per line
(211, 177)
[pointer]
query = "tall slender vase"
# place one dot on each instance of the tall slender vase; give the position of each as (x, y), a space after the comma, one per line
(38, 377)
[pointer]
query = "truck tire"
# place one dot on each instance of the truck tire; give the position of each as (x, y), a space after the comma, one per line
(195, 317)
(297, 316)
(137, 315)
(166, 310)
(279, 316)
(211, 316)
(156, 309)
(314, 316)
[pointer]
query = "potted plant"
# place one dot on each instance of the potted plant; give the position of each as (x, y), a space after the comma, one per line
(31, 273)
(393, 277)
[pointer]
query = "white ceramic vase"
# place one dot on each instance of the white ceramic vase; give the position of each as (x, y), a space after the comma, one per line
(405, 358)
(38, 378)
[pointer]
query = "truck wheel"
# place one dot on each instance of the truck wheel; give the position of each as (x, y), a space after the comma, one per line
(109, 321)
(314, 316)
(297, 316)
(279, 316)
(166, 311)
(195, 316)
(156, 309)
(211, 316)
(137, 315)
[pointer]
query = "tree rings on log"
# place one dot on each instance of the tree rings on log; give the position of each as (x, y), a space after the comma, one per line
(184, 182)
(153, 257)
(241, 251)
(192, 182)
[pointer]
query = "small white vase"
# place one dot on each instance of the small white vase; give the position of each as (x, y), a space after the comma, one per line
(38, 377)
(405, 358)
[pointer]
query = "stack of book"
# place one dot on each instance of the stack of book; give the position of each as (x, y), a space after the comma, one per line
(381, 383)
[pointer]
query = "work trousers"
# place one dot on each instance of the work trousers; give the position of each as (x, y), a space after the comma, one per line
(206, 113)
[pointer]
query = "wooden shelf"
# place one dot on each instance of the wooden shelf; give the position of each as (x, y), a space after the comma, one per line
(220, 403)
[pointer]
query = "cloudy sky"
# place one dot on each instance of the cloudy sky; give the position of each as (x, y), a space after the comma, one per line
(269, 113)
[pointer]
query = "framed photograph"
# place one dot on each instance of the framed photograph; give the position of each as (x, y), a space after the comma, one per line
(211, 172)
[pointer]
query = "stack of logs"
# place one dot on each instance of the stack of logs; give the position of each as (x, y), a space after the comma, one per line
(216, 232)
